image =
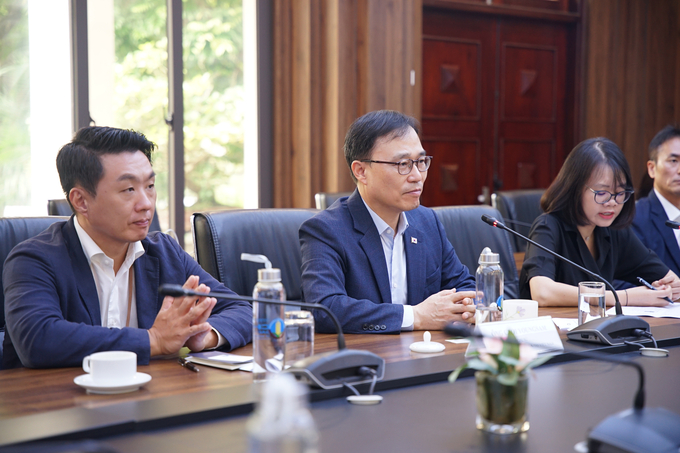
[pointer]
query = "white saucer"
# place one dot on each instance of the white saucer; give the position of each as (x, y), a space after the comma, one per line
(85, 381)
(365, 400)
(653, 352)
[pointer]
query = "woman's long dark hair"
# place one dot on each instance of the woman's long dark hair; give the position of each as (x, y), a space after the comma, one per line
(564, 195)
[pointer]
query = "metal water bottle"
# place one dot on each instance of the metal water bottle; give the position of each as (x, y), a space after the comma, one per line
(489, 286)
(269, 339)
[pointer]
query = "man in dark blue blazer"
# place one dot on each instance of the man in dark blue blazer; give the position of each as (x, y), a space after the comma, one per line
(663, 202)
(91, 284)
(377, 259)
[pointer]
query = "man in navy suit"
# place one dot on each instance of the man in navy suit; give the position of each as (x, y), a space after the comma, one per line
(91, 284)
(380, 261)
(663, 202)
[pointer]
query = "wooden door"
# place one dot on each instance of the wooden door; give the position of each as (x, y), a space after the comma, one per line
(495, 104)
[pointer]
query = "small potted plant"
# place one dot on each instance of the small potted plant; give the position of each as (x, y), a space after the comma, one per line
(502, 383)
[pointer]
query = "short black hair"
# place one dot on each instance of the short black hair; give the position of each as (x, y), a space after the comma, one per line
(79, 162)
(564, 195)
(667, 133)
(367, 129)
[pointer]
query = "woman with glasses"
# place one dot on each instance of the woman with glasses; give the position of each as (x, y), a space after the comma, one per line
(588, 210)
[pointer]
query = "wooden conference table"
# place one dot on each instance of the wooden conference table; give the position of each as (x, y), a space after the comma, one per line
(179, 408)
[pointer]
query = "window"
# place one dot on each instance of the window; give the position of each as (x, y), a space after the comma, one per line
(35, 102)
(128, 81)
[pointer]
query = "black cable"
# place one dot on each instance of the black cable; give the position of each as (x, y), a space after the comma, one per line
(644, 333)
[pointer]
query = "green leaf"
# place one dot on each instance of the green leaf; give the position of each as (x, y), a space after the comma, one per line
(538, 361)
(480, 365)
(509, 379)
(511, 348)
(455, 373)
(508, 360)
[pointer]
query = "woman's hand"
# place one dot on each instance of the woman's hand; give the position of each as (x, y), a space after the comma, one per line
(672, 280)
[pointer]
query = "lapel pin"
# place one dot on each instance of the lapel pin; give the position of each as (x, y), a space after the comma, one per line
(414, 240)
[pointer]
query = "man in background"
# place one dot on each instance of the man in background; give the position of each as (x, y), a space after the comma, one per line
(663, 202)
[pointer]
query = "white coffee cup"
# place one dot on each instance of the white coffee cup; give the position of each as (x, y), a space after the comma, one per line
(111, 367)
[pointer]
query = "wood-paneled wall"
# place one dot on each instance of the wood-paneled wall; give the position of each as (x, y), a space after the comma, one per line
(632, 78)
(335, 60)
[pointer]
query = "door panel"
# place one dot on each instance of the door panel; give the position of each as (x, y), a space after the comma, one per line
(453, 91)
(496, 87)
(458, 94)
(458, 171)
(524, 163)
(528, 83)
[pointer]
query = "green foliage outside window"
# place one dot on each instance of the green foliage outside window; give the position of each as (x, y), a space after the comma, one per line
(213, 95)
(15, 152)
(213, 92)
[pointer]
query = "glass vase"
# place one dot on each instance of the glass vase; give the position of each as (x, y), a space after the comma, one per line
(501, 409)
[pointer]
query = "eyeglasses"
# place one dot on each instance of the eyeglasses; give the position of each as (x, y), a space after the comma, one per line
(603, 196)
(405, 166)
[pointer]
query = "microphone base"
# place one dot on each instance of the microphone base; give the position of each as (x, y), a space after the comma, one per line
(648, 430)
(332, 369)
(609, 330)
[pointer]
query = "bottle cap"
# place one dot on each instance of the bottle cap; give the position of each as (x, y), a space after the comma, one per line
(488, 257)
(269, 275)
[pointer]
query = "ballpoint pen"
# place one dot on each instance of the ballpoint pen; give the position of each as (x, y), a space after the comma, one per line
(648, 285)
(186, 364)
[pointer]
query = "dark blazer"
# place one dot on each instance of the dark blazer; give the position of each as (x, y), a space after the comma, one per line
(344, 267)
(52, 307)
(649, 227)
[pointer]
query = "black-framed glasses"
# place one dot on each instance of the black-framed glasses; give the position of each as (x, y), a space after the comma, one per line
(405, 166)
(603, 196)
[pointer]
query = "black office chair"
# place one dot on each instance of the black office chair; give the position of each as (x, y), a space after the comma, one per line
(469, 235)
(322, 200)
(61, 207)
(522, 206)
(14, 230)
(221, 237)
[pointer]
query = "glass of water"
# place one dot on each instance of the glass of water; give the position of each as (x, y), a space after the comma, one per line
(591, 301)
(299, 336)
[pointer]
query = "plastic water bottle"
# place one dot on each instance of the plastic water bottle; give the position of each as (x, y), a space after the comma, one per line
(282, 422)
(269, 336)
(489, 286)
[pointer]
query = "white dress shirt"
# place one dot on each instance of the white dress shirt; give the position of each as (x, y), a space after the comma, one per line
(112, 288)
(672, 212)
(395, 257)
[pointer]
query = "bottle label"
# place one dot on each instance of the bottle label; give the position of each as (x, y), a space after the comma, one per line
(277, 328)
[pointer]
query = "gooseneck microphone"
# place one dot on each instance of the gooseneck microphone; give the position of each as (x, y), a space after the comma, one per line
(636, 430)
(607, 330)
(518, 223)
(327, 370)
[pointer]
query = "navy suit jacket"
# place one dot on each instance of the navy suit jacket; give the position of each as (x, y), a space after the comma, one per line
(52, 309)
(344, 267)
(649, 227)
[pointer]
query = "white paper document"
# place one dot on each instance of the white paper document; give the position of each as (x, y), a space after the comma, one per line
(223, 360)
(565, 323)
(669, 311)
(538, 332)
